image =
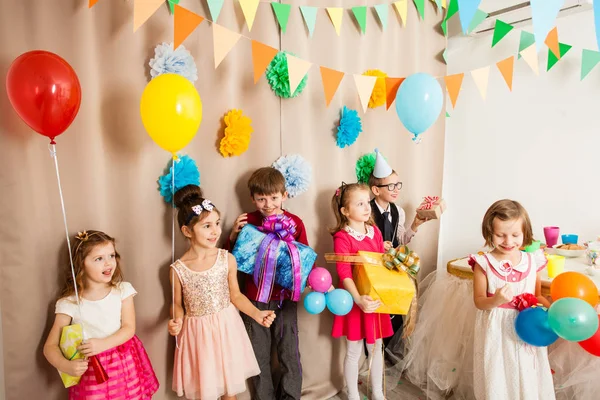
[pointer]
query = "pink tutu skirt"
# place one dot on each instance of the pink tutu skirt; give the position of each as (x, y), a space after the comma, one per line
(214, 357)
(130, 375)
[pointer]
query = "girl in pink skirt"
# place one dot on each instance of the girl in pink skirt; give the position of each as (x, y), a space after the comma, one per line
(107, 316)
(214, 356)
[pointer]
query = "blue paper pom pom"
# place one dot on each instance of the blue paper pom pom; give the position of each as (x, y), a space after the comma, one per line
(186, 173)
(178, 62)
(349, 128)
(297, 173)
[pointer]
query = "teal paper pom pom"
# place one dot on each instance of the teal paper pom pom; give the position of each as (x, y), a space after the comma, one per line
(278, 77)
(349, 128)
(186, 173)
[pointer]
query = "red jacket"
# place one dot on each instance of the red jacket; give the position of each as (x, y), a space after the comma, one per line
(256, 218)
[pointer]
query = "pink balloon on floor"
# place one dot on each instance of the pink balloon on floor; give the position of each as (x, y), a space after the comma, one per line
(319, 280)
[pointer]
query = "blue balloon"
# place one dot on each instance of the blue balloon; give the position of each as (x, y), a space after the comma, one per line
(314, 302)
(533, 328)
(419, 102)
(339, 301)
(573, 319)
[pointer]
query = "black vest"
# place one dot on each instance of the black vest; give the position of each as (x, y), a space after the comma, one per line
(378, 217)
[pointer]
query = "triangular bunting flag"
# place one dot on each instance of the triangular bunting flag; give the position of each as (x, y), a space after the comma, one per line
(215, 6)
(172, 4)
(360, 13)
(420, 5)
(552, 42)
(249, 8)
(364, 86)
(445, 56)
(453, 84)
(185, 23)
(223, 41)
(438, 3)
(530, 56)
(467, 12)
(382, 14)
(401, 7)
(443, 3)
(391, 88)
(480, 77)
(142, 10)
(543, 15)
(452, 9)
(310, 17)
(447, 115)
(526, 40)
(297, 69)
(282, 13)
(589, 59)
(478, 18)
(597, 21)
(501, 29)
(261, 57)
(331, 81)
(552, 59)
(335, 14)
(92, 3)
(506, 68)
(444, 26)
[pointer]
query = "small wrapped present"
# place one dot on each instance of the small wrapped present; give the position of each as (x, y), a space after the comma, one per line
(392, 286)
(270, 254)
(70, 338)
(431, 207)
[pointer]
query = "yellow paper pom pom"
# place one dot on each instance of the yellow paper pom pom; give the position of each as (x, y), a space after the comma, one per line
(237, 134)
(378, 95)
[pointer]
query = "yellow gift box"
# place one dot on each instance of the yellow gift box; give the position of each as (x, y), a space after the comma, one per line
(394, 288)
(70, 338)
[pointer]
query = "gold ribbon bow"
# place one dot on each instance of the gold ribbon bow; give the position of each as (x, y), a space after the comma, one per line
(402, 258)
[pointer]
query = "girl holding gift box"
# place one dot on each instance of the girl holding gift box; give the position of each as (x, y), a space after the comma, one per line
(214, 355)
(504, 366)
(355, 231)
(106, 312)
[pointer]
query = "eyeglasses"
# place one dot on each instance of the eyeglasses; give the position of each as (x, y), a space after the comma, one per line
(392, 186)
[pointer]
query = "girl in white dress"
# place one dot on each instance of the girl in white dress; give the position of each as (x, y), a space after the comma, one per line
(504, 366)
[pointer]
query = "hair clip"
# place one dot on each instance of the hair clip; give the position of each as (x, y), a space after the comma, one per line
(206, 205)
(337, 192)
(83, 236)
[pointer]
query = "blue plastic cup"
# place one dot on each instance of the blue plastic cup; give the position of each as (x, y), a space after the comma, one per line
(569, 239)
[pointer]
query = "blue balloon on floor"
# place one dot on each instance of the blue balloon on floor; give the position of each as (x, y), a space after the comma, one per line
(339, 301)
(533, 328)
(314, 302)
(419, 101)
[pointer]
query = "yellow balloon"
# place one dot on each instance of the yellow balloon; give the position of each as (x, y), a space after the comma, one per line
(171, 111)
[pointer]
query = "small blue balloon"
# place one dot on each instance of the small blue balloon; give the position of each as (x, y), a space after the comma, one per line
(419, 101)
(533, 328)
(573, 319)
(339, 301)
(314, 302)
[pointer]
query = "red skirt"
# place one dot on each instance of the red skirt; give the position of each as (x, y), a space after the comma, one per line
(357, 325)
(130, 375)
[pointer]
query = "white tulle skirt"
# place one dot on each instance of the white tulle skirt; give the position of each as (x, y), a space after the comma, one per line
(438, 356)
(576, 372)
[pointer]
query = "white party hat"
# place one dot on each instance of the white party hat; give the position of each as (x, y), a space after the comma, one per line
(382, 168)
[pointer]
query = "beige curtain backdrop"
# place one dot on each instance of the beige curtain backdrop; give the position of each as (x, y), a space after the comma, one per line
(109, 166)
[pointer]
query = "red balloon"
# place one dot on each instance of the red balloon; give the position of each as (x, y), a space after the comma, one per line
(44, 91)
(592, 345)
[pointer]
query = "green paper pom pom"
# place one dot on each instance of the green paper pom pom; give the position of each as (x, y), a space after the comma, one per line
(364, 167)
(278, 78)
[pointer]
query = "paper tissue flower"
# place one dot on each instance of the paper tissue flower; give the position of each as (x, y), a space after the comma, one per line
(237, 134)
(364, 167)
(297, 173)
(278, 77)
(349, 128)
(167, 60)
(378, 94)
(186, 173)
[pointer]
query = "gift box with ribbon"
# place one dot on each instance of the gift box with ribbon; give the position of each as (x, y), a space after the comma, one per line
(389, 283)
(431, 207)
(70, 338)
(270, 254)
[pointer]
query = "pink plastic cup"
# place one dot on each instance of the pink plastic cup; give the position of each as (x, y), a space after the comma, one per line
(551, 234)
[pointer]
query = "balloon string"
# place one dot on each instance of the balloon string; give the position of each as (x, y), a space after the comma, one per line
(52, 150)
(173, 240)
